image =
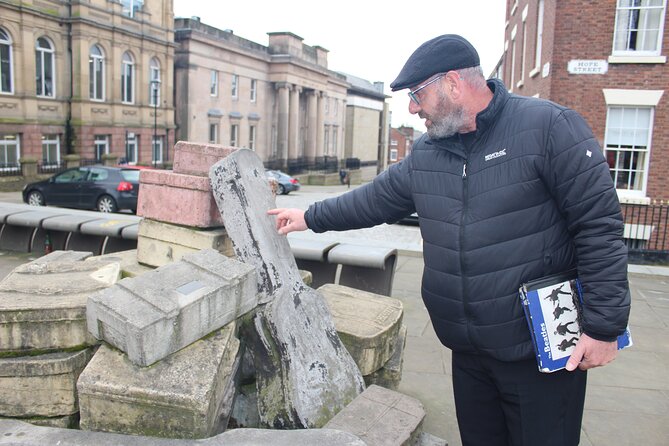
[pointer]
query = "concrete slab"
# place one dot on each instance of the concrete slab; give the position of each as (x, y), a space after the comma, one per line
(368, 324)
(43, 303)
(64, 422)
(304, 372)
(381, 417)
(41, 386)
(157, 313)
(390, 375)
(130, 267)
(160, 243)
(177, 198)
(187, 395)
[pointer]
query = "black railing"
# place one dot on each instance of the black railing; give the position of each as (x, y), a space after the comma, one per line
(10, 170)
(47, 167)
(645, 233)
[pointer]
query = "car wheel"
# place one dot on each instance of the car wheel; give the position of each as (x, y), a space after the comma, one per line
(281, 190)
(106, 204)
(36, 198)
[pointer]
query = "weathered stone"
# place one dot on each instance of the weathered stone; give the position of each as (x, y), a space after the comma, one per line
(130, 267)
(65, 421)
(41, 386)
(381, 417)
(368, 324)
(187, 395)
(390, 375)
(304, 373)
(176, 198)
(43, 303)
(245, 411)
(155, 314)
(17, 433)
(160, 243)
(196, 159)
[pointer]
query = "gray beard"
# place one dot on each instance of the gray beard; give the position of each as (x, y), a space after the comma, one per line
(448, 124)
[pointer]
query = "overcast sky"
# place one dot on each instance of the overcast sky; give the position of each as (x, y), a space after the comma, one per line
(370, 39)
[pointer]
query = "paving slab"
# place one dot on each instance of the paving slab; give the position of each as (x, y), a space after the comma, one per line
(161, 311)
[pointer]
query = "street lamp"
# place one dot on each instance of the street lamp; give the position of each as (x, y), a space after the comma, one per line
(155, 85)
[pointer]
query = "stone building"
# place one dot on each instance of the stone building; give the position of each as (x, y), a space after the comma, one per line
(279, 100)
(89, 78)
(607, 60)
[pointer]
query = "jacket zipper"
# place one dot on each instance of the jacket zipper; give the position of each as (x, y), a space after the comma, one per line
(465, 194)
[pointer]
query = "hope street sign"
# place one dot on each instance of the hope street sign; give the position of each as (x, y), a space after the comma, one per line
(587, 67)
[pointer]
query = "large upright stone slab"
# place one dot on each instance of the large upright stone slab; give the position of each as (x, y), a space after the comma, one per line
(368, 324)
(189, 394)
(305, 375)
(160, 243)
(41, 386)
(155, 314)
(43, 303)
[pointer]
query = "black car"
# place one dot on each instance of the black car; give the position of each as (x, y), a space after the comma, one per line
(107, 189)
(287, 183)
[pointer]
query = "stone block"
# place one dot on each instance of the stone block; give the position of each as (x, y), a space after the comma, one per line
(160, 243)
(390, 375)
(43, 303)
(130, 267)
(367, 323)
(157, 313)
(187, 395)
(177, 198)
(42, 385)
(64, 422)
(381, 416)
(196, 159)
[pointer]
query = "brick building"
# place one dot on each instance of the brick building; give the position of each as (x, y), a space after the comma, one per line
(87, 78)
(401, 141)
(607, 60)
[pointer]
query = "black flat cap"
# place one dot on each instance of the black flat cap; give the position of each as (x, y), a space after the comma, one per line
(438, 55)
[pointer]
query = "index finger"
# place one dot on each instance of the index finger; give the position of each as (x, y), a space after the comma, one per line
(275, 211)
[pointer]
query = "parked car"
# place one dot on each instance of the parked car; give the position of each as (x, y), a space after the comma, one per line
(287, 183)
(106, 189)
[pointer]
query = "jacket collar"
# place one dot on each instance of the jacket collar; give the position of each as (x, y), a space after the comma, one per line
(486, 117)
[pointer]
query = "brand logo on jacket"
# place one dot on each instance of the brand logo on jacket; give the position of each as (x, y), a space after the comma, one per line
(494, 155)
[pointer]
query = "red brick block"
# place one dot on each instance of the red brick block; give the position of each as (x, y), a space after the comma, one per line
(196, 159)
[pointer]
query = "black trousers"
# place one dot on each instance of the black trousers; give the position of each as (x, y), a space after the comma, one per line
(513, 404)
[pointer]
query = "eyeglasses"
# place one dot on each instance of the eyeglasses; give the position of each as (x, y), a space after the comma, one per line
(412, 94)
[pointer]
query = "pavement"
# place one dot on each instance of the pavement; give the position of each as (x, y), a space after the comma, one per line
(627, 401)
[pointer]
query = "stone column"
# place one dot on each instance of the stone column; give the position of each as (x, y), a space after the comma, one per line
(282, 127)
(320, 125)
(294, 123)
(312, 126)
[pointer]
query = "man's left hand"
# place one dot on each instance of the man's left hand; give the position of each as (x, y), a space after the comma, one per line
(590, 353)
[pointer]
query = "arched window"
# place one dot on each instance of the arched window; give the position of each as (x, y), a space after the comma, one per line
(127, 79)
(6, 69)
(154, 85)
(96, 68)
(46, 72)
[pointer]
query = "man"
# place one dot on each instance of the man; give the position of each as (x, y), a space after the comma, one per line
(507, 189)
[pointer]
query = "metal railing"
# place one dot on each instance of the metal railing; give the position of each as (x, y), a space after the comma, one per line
(46, 167)
(645, 232)
(10, 170)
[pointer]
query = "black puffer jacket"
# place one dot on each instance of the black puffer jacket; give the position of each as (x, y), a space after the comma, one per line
(532, 196)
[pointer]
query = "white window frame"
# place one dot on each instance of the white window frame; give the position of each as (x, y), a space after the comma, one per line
(254, 90)
(6, 43)
(45, 57)
(393, 155)
(96, 68)
(235, 86)
(130, 7)
(213, 131)
(131, 148)
(6, 143)
(48, 142)
(234, 135)
(326, 140)
(539, 39)
(622, 29)
(213, 83)
(157, 149)
(523, 50)
(154, 82)
(513, 58)
(253, 132)
(128, 79)
(335, 130)
(648, 99)
(100, 146)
